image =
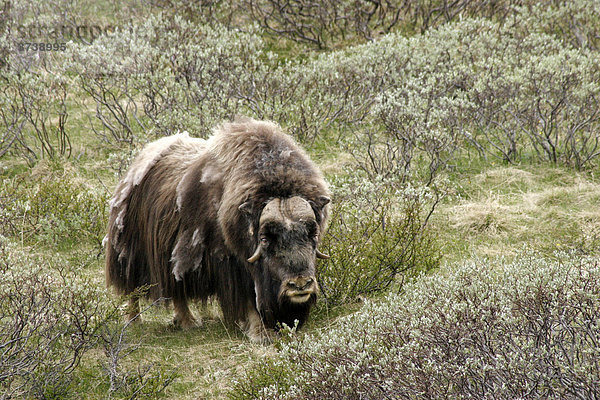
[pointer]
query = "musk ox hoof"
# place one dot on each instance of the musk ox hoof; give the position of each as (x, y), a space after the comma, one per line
(186, 323)
(262, 336)
(183, 316)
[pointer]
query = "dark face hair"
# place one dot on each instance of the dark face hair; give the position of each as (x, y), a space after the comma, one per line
(285, 259)
(288, 249)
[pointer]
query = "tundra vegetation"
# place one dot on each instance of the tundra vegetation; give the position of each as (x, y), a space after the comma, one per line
(461, 142)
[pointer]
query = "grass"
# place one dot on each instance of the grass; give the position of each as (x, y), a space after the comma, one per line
(501, 209)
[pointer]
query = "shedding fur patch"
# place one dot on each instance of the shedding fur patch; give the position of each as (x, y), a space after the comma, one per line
(211, 174)
(146, 160)
(121, 218)
(196, 238)
(186, 255)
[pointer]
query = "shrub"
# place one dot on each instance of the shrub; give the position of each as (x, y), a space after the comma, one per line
(559, 109)
(231, 14)
(168, 74)
(327, 23)
(426, 116)
(48, 321)
(575, 23)
(527, 328)
(146, 380)
(55, 210)
(33, 115)
(377, 236)
(470, 85)
(50, 318)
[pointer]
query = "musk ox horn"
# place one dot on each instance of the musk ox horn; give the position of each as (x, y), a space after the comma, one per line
(322, 256)
(255, 256)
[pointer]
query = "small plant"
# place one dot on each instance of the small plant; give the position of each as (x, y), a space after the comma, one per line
(33, 115)
(55, 209)
(48, 321)
(144, 380)
(171, 75)
(50, 318)
(377, 236)
(325, 24)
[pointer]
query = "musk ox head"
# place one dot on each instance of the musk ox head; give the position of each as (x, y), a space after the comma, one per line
(283, 264)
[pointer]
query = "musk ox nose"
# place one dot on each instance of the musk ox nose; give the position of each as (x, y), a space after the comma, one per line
(300, 283)
(299, 289)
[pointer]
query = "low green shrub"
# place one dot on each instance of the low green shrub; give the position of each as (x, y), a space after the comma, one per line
(473, 85)
(576, 23)
(33, 115)
(55, 209)
(330, 24)
(327, 24)
(324, 24)
(528, 328)
(167, 74)
(51, 318)
(48, 321)
(378, 235)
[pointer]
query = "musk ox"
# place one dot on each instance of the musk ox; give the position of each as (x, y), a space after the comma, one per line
(237, 217)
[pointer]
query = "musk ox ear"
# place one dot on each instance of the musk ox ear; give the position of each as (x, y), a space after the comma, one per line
(248, 215)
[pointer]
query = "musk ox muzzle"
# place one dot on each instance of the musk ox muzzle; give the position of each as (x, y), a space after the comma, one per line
(298, 290)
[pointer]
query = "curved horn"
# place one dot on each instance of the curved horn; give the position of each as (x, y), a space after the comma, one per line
(322, 256)
(255, 256)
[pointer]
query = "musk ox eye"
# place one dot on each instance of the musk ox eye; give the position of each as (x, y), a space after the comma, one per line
(264, 241)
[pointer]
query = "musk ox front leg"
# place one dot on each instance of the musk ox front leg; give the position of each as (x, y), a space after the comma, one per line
(255, 328)
(183, 316)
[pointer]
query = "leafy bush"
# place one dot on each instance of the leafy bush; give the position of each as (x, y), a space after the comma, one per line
(48, 321)
(168, 74)
(470, 85)
(33, 115)
(231, 14)
(576, 23)
(377, 236)
(50, 318)
(146, 380)
(527, 328)
(327, 23)
(323, 23)
(55, 209)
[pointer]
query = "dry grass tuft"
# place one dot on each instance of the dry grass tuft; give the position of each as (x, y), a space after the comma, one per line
(506, 208)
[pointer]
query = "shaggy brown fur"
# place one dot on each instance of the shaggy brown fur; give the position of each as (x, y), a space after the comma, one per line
(186, 218)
